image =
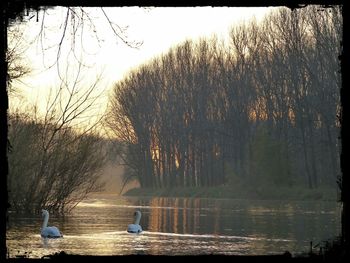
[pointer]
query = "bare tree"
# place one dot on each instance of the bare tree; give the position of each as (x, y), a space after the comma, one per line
(68, 152)
(75, 24)
(64, 162)
(252, 106)
(17, 68)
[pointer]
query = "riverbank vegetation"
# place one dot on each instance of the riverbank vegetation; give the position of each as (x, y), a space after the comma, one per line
(56, 156)
(50, 167)
(256, 113)
(236, 192)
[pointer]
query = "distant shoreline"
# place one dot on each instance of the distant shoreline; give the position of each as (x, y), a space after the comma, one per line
(228, 192)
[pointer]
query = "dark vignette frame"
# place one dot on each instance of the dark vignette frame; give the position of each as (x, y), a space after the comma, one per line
(12, 9)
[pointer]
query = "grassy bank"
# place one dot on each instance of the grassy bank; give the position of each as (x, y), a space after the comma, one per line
(268, 193)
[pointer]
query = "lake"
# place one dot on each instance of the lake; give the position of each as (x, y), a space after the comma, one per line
(179, 226)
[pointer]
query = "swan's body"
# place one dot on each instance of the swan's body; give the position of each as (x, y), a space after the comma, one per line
(135, 228)
(49, 231)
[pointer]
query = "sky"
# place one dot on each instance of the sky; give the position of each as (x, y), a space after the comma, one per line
(158, 28)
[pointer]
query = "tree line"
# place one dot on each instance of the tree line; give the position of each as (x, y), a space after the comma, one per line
(261, 106)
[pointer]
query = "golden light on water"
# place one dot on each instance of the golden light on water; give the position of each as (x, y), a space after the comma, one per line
(176, 216)
(176, 226)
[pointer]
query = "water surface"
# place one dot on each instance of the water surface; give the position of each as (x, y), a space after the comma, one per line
(179, 226)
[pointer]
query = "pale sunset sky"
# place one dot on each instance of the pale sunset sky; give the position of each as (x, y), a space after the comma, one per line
(159, 28)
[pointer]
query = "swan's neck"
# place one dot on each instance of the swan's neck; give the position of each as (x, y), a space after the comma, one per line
(137, 219)
(46, 220)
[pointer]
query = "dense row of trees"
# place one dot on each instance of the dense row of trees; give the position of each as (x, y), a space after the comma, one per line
(261, 107)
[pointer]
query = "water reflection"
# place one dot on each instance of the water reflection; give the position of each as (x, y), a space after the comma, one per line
(265, 219)
(182, 215)
(179, 226)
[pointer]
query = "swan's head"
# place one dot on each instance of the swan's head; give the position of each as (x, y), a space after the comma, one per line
(137, 213)
(44, 212)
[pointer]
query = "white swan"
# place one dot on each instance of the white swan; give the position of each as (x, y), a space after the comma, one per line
(135, 228)
(49, 231)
